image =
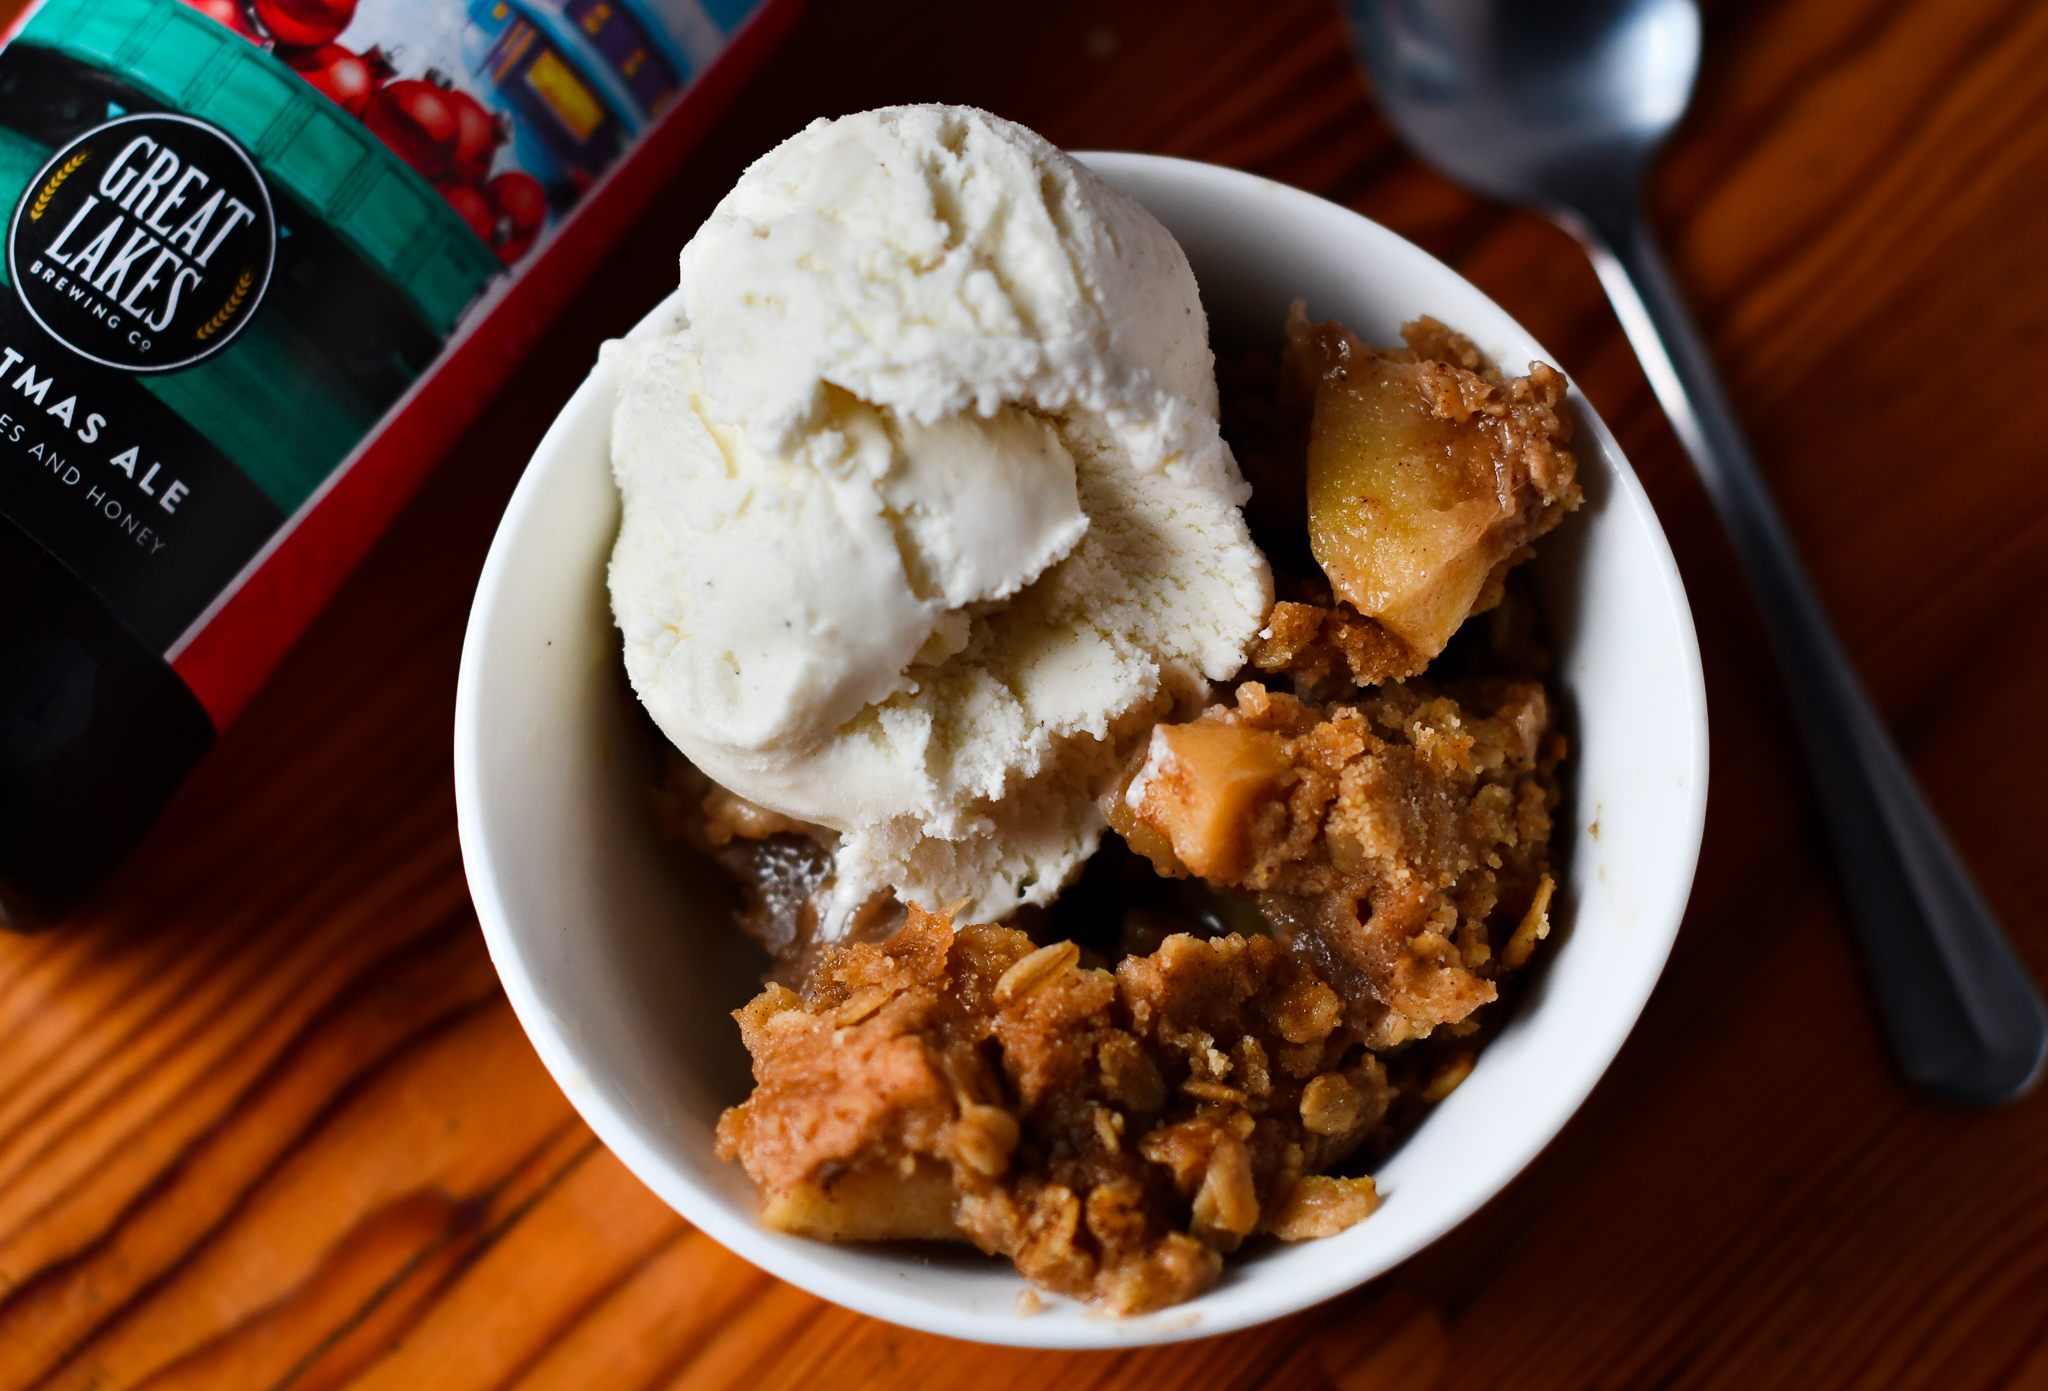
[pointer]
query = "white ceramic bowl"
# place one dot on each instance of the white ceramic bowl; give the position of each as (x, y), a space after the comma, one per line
(623, 971)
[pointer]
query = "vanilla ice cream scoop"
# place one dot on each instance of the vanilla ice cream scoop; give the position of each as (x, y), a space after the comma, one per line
(926, 514)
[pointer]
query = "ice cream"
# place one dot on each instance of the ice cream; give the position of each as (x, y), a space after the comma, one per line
(926, 514)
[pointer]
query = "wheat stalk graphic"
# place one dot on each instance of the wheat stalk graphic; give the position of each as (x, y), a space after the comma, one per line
(35, 214)
(233, 306)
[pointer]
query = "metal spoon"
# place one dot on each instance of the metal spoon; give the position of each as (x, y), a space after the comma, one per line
(1560, 107)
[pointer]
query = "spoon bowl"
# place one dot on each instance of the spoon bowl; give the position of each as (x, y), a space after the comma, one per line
(1549, 106)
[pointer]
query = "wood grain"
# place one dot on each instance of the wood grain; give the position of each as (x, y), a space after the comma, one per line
(266, 1120)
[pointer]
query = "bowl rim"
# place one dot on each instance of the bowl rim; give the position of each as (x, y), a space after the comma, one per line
(1241, 1306)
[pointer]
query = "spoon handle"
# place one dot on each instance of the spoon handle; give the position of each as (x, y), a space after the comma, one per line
(1965, 1019)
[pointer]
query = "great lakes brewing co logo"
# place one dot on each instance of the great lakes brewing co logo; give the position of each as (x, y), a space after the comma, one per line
(145, 244)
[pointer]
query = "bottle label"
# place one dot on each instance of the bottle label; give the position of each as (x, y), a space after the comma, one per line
(241, 231)
(145, 245)
(133, 255)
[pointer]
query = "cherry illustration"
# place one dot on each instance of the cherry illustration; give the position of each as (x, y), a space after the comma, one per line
(478, 136)
(523, 204)
(305, 23)
(348, 78)
(227, 13)
(418, 121)
(474, 208)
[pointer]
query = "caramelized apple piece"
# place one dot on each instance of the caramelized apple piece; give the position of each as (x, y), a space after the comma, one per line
(1198, 787)
(1426, 479)
(875, 1203)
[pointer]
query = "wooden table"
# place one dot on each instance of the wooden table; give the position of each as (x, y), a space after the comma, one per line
(266, 1119)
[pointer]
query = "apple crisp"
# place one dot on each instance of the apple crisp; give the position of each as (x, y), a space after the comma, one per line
(1388, 841)
(1112, 1132)
(1299, 934)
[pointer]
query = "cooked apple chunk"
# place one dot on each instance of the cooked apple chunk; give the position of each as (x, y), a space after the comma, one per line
(1428, 473)
(1200, 788)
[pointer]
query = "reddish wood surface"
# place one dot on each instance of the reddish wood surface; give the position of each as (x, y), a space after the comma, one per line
(266, 1120)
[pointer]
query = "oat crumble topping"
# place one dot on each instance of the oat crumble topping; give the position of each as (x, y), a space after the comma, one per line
(1296, 939)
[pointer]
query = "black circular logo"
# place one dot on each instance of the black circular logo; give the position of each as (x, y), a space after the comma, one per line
(145, 244)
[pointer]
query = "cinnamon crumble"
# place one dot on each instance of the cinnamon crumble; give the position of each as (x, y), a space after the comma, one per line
(1297, 938)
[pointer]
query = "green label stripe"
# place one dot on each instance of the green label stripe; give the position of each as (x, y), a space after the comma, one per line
(303, 143)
